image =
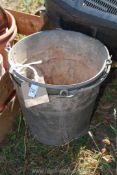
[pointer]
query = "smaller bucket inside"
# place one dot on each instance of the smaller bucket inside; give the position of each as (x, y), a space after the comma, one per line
(67, 57)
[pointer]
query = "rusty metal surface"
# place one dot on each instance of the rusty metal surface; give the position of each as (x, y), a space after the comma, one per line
(26, 23)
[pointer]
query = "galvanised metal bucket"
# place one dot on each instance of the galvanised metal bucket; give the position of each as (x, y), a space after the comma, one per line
(74, 65)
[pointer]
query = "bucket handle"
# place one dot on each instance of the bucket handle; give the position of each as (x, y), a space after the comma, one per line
(66, 93)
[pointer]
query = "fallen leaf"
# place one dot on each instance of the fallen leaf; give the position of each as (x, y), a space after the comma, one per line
(106, 141)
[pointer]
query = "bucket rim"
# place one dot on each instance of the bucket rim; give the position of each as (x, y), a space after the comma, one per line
(68, 86)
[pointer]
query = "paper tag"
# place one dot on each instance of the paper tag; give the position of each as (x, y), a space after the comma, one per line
(34, 95)
(33, 90)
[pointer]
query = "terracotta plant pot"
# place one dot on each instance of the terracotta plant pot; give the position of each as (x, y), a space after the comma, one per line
(7, 37)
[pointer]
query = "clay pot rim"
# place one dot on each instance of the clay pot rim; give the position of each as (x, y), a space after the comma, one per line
(11, 29)
(13, 36)
(1, 58)
(5, 17)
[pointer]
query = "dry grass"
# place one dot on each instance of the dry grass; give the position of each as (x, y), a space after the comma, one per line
(28, 6)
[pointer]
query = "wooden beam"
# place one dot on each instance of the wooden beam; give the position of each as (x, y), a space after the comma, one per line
(27, 24)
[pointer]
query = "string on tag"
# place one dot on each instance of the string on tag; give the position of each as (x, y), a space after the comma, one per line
(19, 67)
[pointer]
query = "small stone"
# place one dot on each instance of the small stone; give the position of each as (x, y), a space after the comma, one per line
(103, 150)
